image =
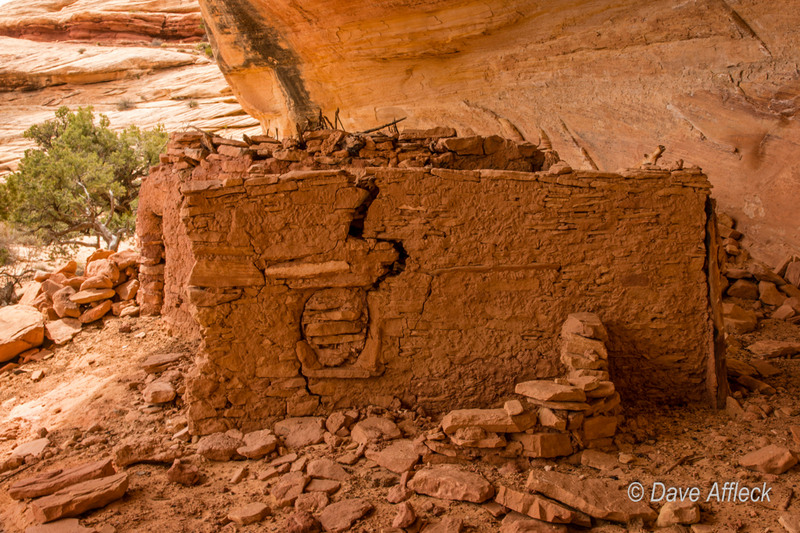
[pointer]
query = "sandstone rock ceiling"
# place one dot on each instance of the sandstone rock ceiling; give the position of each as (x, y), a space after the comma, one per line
(715, 81)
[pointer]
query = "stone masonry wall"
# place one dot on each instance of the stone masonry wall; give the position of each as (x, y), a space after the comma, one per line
(318, 289)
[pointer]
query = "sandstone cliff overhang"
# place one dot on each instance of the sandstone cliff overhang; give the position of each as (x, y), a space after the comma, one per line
(318, 289)
(714, 82)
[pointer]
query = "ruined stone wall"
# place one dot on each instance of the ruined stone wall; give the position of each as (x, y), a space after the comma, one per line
(441, 287)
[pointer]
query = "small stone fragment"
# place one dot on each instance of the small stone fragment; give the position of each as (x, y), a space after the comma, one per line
(313, 502)
(158, 392)
(300, 432)
(405, 516)
(451, 483)
(301, 522)
(218, 447)
(678, 512)
(771, 459)
(257, 444)
(373, 429)
(326, 469)
(249, 514)
(184, 473)
(547, 391)
(341, 515)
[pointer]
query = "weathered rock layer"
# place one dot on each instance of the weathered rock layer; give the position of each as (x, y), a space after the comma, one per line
(714, 81)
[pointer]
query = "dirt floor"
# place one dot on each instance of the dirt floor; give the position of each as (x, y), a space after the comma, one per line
(89, 401)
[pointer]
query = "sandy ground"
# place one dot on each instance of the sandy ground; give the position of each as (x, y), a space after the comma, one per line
(90, 400)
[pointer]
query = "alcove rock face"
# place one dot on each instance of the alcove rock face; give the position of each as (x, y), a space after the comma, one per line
(715, 82)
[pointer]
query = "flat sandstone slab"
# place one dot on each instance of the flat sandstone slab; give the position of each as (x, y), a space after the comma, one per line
(52, 481)
(77, 499)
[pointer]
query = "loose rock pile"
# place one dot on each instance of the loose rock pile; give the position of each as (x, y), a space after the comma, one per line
(56, 305)
(555, 417)
(754, 290)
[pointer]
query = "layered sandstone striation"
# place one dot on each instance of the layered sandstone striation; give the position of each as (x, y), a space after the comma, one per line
(343, 270)
(714, 82)
(114, 21)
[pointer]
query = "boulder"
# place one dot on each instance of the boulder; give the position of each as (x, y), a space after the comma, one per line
(21, 328)
(539, 507)
(742, 288)
(769, 349)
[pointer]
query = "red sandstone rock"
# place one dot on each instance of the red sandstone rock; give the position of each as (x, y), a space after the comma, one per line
(218, 447)
(133, 451)
(495, 420)
(399, 456)
(21, 328)
(341, 516)
(301, 431)
(595, 497)
(33, 448)
(92, 295)
(451, 483)
(257, 444)
(77, 499)
(586, 325)
(375, 428)
(52, 481)
(249, 514)
(288, 488)
(184, 473)
(769, 349)
(62, 304)
(96, 313)
(328, 486)
(124, 259)
(160, 362)
(96, 282)
(539, 507)
(448, 524)
(311, 502)
(544, 444)
(771, 459)
(673, 513)
(65, 525)
(547, 391)
(326, 469)
(405, 516)
(301, 522)
(158, 392)
(743, 289)
(520, 523)
(128, 290)
(63, 330)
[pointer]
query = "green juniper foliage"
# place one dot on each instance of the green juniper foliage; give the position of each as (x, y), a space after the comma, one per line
(83, 179)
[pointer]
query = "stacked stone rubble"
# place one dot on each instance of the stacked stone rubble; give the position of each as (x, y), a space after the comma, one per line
(554, 418)
(109, 284)
(752, 289)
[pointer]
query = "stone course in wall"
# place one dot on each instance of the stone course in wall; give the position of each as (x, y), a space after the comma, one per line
(342, 271)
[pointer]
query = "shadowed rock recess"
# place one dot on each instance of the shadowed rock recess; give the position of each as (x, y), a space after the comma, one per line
(346, 270)
(716, 82)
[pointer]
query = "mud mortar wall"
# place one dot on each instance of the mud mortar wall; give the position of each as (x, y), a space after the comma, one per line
(316, 290)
